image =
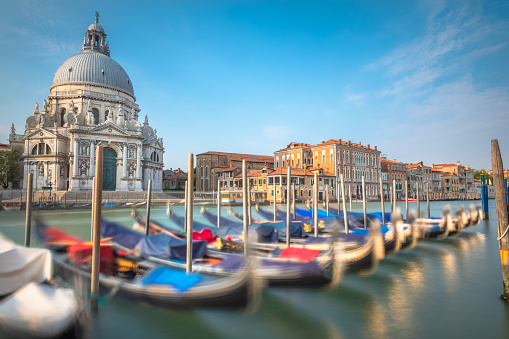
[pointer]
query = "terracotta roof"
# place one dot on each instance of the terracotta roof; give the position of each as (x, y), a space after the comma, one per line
(392, 161)
(344, 143)
(300, 171)
(240, 157)
(228, 169)
(5, 147)
(220, 166)
(294, 145)
(177, 176)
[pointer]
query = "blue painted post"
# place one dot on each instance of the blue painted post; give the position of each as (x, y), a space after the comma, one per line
(484, 197)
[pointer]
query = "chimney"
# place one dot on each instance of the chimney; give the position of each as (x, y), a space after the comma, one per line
(368, 145)
(375, 148)
(457, 162)
(349, 142)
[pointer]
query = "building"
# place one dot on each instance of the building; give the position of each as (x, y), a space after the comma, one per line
(450, 186)
(395, 171)
(417, 175)
(436, 186)
(174, 179)
(210, 164)
(353, 160)
(91, 102)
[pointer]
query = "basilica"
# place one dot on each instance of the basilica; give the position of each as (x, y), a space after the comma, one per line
(91, 102)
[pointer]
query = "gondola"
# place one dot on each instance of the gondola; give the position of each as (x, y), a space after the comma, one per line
(146, 281)
(359, 252)
(309, 263)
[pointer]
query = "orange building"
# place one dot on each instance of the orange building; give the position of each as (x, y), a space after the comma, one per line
(353, 160)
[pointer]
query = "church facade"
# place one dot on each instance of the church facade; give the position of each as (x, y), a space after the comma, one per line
(91, 102)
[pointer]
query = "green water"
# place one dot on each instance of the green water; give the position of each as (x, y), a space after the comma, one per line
(446, 288)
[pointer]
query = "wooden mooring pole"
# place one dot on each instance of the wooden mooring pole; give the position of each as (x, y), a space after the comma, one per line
(315, 204)
(149, 200)
(96, 239)
(274, 196)
(249, 219)
(406, 198)
(427, 199)
(218, 204)
(28, 220)
(502, 221)
(293, 202)
(382, 200)
(244, 205)
(418, 200)
(189, 214)
(327, 199)
(288, 203)
(364, 202)
(350, 197)
(345, 218)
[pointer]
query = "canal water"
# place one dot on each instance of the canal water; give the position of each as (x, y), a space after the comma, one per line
(446, 288)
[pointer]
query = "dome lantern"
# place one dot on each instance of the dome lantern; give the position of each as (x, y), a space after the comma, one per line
(95, 38)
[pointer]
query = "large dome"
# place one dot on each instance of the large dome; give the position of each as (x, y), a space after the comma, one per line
(93, 68)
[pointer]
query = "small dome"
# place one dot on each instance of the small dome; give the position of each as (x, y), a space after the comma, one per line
(96, 27)
(95, 68)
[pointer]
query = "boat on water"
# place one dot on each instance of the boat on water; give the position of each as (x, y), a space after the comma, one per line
(11, 206)
(359, 253)
(147, 281)
(31, 303)
(309, 263)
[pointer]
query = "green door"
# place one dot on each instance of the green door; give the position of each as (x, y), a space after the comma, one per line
(109, 170)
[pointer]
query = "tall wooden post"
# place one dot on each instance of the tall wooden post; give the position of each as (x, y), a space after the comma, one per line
(293, 201)
(189, 214)
(275, 199)
(96, 240)
(418, 200)
(28, 219)
(364, 202)
(327, 199)
(502, 222)
(186, 207)
(219, 198)
(343, 198)
(92, 210)
(406, 198)
(249, 219)
(382, 201)
(427, 198)
(149, 199)
(350, 197)
(315, 203)
(288, 203)
(244, 205)
(394, 195)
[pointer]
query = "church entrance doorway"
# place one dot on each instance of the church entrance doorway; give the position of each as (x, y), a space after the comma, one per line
(109, 169)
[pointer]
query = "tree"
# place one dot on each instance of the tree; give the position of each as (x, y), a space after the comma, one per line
(477, 175)
(9, 167)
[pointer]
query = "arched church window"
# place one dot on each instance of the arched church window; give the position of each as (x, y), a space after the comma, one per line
(41, 149)
(95, 112)
(62, 115)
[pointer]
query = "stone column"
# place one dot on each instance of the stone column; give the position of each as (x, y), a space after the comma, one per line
(92, 158)
(138, 162)
(124, 164)
(75, 167)
(26, 170)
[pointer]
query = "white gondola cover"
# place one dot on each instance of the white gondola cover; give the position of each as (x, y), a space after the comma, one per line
(39, 310)
(20, 265)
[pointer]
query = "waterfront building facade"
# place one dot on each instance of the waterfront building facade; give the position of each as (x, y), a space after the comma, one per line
(210, 164)
(336, 156)
(174, 179)
(395, 171)
(418, 175)
(91, 102)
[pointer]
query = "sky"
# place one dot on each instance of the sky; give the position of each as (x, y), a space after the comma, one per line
(422, 80)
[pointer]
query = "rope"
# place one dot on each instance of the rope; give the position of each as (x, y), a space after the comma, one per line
(505, 232)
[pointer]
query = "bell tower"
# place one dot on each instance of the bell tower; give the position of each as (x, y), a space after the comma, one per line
(95, 38)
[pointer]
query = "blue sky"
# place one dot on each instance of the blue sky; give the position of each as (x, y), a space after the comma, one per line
(422, 80)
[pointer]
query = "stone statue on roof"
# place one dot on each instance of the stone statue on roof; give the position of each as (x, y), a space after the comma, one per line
(36, 110)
